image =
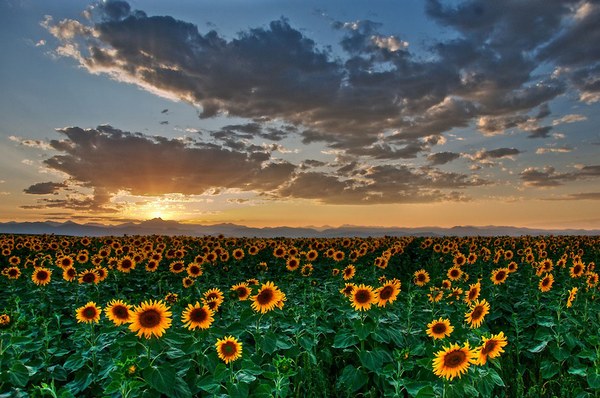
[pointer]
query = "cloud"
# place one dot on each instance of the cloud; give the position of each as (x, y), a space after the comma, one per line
(442, 157)
(571, 118)
(549, 177)
(562, 149)
(110, 160)
(38, 144)
(45, 188)
(347, 96)
(497, 153)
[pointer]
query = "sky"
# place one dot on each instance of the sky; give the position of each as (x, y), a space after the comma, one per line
(301, 113)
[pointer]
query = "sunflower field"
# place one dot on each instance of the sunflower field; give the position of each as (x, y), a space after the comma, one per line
(155, 316)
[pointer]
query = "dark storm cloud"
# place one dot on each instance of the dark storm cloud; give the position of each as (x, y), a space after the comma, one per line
(45, 188)
(498, 153)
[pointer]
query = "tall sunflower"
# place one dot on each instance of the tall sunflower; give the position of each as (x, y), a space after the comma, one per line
(41, 276)
(473, 292)
(118, 312)
(454, 273)
(228, 348)
(477, 312)
(572, 294)
(152, 317)
(197, 316)
(267, 298)
(126, 264)
(362, 297)
(88, 276)
(88, 313)
(453, 361)
(348, 272)
(12, 272)
(347, 289)
(499, 276)
(439, 329)
(491, 347)
(215, 294)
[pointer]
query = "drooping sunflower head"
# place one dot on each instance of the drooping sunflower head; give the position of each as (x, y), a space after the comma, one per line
(478, 311)
(572, 295)
(88, 313)
(267, 298)
(347, 289)
(349, 272)
(546, 283)
(491, 347)
(362, 297)
(439, 329)
(473, 292)
(118, 312)
(453, 361)
(151, 318)
(41, 276)
(197, 316)
(228, 349)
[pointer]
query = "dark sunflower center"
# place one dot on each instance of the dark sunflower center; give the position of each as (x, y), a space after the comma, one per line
(472, 294)
(265, 297)
(177, 266)
(489, 347)
(194, 270)
(71, 272)
(477, 312)
(500, 275)
(386, 293)
(577, 269)
(89, 277)
(150, 318)
(229, 348)
(12, 272)
(126, 264)
(198, 315)
(42, 275)
(241, 291)
(89, 312)
(348, 290)
(362, 296)
(439, 328)
(66, 262)
(421, 277)
(454, 359)
(454, 273)
(545, 281)
(120, 312)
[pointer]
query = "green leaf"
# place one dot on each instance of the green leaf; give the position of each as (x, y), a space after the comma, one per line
(560, 353)
(373, 360)
(208, 384)
(164, 379)
(414, 387)
(593, 380)
(75, 362)
(82, 381)
(363, 330)
(238, 390)
(578, 370)
(545, 321)
(18, 374)
(345, 339)
(548, 370)
(245, 377)
(268, 343)
(470, 390)
(539, 348)
(426, 392)
(352, 379)
(495, 377)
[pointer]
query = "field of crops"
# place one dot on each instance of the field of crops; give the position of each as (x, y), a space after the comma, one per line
(151, 316)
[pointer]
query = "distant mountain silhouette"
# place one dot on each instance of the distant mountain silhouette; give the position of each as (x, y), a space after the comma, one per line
(158, 226)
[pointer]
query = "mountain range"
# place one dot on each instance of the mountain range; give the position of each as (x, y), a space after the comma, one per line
(158, 226)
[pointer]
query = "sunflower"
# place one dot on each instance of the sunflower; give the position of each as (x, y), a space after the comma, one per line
(292, 264)
(446, 284)
(41, 276)
(228, 349)
(453, 361)
(454, 273)
(69, 274)
(472, 258)
(213, 304)
(435, 295)
(421, 277)
(214, 294)
(335, 271)
(126, 264)
(4, 320)
(338, 255)
(118, 312)
(194, 270)
(88, 313)
(439, 329)
(512, 267)
(242, 291)
(197, 316)
(473, 292)
(152, 317)
(188, 282)
(347, 289)
(88, 276)
(459, 260)
(64, 262)
(387, 293)
(12, 272)
(151, 265)
(577, 270)
(238, 254)
(592, 279)
(348, 272)
(546, 283)
(172, 298)
(362, 297)
(572, 294)
(499, 276)
(490, 348)
(477, 312)
(312, 255)
(279, 252)
(267, 298)
(307, 270)
(176, 267)
(14, 261)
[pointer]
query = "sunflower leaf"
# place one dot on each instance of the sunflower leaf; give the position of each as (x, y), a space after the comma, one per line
(539, 348)
(345, 339)
(164, 379)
